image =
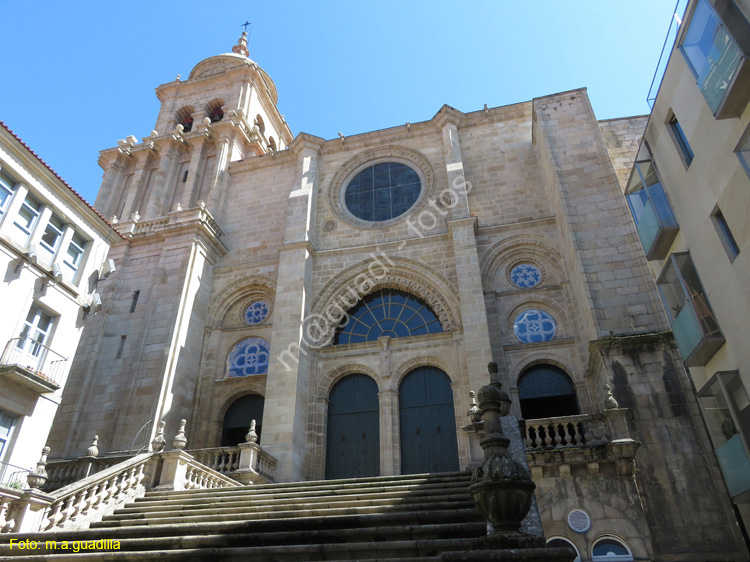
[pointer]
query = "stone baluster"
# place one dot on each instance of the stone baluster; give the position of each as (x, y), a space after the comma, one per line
(4, 507)
(556, 430)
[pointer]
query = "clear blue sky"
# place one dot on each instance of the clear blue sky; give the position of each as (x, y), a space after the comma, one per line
(78, 76)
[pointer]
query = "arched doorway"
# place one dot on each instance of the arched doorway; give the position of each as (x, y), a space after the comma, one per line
(353, 444)
(238, 417)
(428, 422)
(546, 391)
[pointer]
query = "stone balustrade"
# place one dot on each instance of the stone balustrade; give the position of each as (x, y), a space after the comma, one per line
(63, 472)
(247, 462)
(220, 459)
(567, 431)
(75, 505)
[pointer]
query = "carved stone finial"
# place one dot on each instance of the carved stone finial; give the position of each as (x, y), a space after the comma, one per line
(179, 77)
(501, 486)
(207, 121)
(114, 220)
(135, 216)
(38, 477)
(180, 440)
(610, 402)
(241, 47)
(158, 444)
(251, 436)
(177, 207)
(474, 414)
(93, 451)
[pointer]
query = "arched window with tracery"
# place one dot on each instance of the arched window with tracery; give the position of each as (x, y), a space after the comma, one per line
(248, 357)
(184, 117)
(546, 391)
(388, 312)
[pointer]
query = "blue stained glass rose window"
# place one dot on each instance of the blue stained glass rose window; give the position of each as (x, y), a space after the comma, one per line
(256, 312)
(382, 192)
(533, 326)
(525, 275)
(248, 357)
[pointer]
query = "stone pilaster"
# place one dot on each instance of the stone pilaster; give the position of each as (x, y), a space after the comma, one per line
(287, 390)
(164, 177)
(390, 454)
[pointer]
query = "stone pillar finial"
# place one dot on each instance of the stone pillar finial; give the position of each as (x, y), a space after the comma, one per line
(93, 451)
(610, 402)
(493, 370)
(251, 436)
(501, 486)
(157, 445)
(180, 440)
(241, 47)
(38, 477)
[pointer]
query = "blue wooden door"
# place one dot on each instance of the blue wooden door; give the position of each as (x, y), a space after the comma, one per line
(428, 422)
(353, 445)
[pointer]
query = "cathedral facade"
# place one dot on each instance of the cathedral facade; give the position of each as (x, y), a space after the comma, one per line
(348, 294)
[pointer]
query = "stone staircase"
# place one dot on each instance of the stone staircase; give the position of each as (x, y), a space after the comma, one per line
(383, 518)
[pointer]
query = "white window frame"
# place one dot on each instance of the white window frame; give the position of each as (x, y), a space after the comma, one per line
(6, 440)
(29, 228)
(30, 344)
(74, 265)
(7, 187)
(614, 557)
(57, 230)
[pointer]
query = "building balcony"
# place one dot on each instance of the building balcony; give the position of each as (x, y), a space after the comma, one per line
(32, 365)
(694, 325)
(716, 46)
(652, 213)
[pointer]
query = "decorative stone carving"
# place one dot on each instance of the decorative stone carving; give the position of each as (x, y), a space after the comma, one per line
(38, 477)
(252, 436)
(351, 285)
(180, 440)
(93, 451)
(474, 414)
(159, 442)
(610, 403)
(501, 486)
(386, 369)
(329, 226)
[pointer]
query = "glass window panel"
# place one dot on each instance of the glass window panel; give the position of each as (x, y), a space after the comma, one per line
(7, 187)
(248, 357)
(682, 141)
(383, 191)
(699, 44)
(388, 312)
(382, 176)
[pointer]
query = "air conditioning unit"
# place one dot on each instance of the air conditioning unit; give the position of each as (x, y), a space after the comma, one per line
(96, 302)
(108, 268)
(57, 272)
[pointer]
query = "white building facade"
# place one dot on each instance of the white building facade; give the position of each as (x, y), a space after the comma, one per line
(52, 247)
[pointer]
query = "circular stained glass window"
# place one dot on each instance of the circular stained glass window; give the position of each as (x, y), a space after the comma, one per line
(248, 357)
(256, 312)
(525, 275)
(382, 191)
(534, 326)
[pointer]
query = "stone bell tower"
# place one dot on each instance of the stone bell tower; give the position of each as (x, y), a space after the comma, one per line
(138, 360)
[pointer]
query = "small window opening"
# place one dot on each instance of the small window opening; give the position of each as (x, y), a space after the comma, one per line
(185, 176)
(184, 117)
(214, 111)
(259, 122)
(681, 140)
(727, 239)
(136, 294)
(122, 346)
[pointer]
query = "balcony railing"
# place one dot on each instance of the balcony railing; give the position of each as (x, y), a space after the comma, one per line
(694, 325)
(12, 476)
(654, 219)
(713, 52)
(666, 50)
(34, 362)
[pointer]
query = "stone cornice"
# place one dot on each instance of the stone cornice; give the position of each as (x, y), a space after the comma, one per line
(447, 115)
(468, 221)
(302, 244)
(304, 141)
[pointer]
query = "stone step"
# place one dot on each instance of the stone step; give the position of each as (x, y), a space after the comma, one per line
(407, 518)
(324, 486)
(398, 533)
(254, 505)
(219, 495)
(291, 511)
